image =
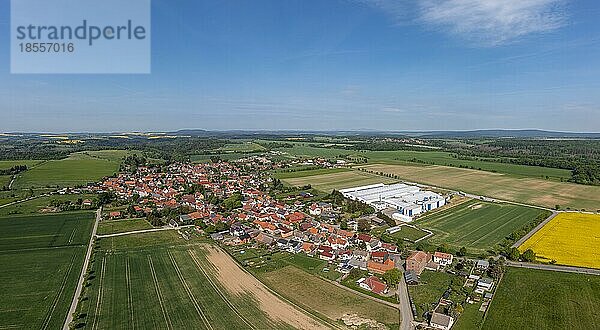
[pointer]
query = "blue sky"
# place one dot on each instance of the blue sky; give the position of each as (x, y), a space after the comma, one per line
(335, 64)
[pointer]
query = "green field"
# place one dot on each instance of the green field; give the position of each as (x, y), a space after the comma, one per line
(243, 147)
(339, 180)
(538, 299)
(41, 258)
(121, 226)
(528, 190)
(34, 206)
(427, 157)
(79, 168)
(176, 286)
(476, 225)
(409, 233)
(6, 164)
(282, 174)
(224, 156)
(5, 180)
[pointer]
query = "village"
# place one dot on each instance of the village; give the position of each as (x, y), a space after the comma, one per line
(243, 208)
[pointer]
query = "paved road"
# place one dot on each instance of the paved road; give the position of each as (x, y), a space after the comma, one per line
(143, 231)
(405, 309)
(534, 230)
(83, 271)
(555, 268)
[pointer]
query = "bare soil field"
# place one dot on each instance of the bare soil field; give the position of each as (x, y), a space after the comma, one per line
(339, 180)
(503, 186)
(236, 281)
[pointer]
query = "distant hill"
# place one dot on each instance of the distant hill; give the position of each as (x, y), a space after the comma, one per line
(530, 133)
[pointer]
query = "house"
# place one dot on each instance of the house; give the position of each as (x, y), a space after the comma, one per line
(434, 266)
(379, 256)
(282, 243)
(485, 284)
(344, 268)
(373, 245)
(357, 263)
(373, 284)
(441, 321)
(443, 259)
(389, 247)
(86, 202)
(417, 261)
(314, 209)
(114, 214)
(482, 265)
(264, 239)
(411, 278)
(294, 246)
(360, 255)
(380, 268)
(327, 256)
(308, 248)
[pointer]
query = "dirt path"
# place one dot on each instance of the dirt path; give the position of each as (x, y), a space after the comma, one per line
(556, 268)
(237, 281)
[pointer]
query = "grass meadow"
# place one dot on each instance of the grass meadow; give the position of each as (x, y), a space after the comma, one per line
(545, 300)
(570, 239)
(37, 205)
(532, 191)
(476, 225)
(120, 226)
(314, 293)
(41, 258)
(79, 168)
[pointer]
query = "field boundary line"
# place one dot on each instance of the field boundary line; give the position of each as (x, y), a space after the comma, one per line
(217, 289)
(60, 292)
(100, 291)
(535, 230)
(159, 294)
(189, 292)
(129, 297)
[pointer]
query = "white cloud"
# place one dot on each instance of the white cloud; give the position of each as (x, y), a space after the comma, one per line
(487, 22)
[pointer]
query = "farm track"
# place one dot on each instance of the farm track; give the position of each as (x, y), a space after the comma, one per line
(189, 293)
(159, 294)
(556, 268)
(129, 296)
(218, 290)
(100, 291)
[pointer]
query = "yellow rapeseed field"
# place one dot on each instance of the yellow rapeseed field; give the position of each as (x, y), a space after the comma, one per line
(570, 239)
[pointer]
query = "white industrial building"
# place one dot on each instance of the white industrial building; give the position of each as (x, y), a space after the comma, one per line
(410, 201)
